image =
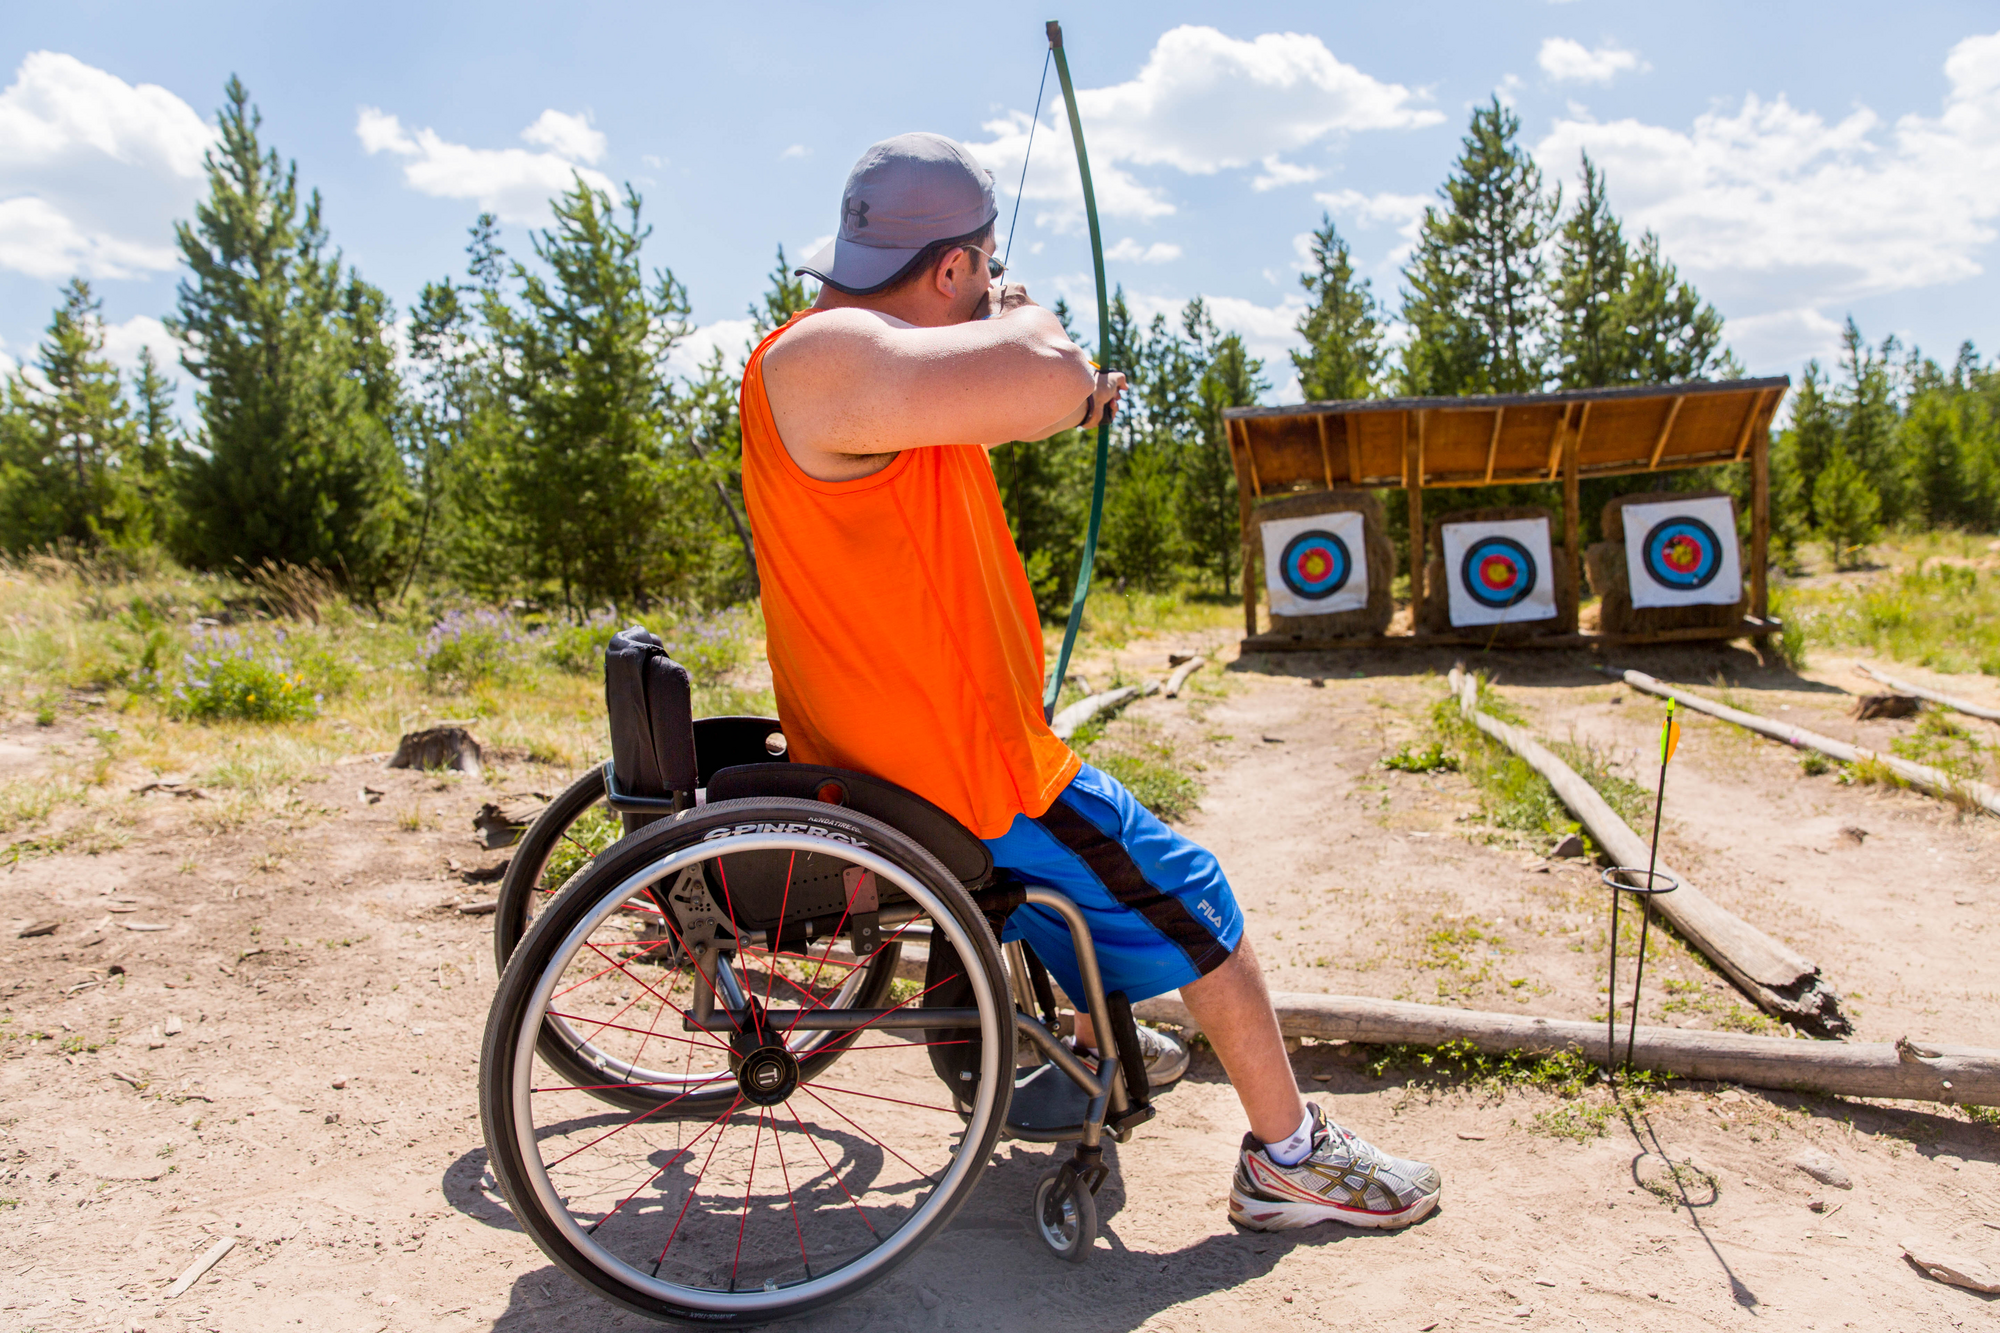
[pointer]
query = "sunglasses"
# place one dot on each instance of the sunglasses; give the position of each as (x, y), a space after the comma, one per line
(994, 268)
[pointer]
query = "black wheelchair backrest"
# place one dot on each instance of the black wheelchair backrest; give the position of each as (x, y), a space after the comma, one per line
(650, 704)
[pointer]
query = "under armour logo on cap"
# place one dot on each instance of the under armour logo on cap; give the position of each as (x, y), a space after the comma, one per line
(903, 194)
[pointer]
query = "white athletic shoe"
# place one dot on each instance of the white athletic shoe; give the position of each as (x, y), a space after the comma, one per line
(1167, 1057)
(1344, 1179)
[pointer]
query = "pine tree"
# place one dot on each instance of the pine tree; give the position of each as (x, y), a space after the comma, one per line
(710, 422)
(66, 468)
(1592, 265)
(786, 296)
(1230, 377)
(1848, 508)
(298, 399)
(1869, 411)
(1342, 326)
(597, 503)
(1474, 302)
(1669, 332)
(158, 448)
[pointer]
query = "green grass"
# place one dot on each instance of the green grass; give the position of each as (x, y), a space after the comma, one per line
(1151, 767)
(597, 829)
(1944, 616)
(1431, 758)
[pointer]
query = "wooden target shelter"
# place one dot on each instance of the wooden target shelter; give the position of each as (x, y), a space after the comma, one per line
(1420, 444)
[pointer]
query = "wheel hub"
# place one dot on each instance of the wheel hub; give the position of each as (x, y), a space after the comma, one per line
(768, 1075)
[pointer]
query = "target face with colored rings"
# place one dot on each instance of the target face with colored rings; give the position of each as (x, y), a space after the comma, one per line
(1682, 553)
(1498, 572)
(1316, 564)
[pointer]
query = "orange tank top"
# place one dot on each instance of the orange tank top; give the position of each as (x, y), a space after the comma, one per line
(902, 633)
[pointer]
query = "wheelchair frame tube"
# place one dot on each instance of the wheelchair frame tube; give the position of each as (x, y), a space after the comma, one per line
(1110, 1071)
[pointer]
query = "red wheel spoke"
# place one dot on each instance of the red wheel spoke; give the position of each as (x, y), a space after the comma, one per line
(807, 1090)
(798, 1228)
(692, 1186)
(620, 1027)
(619, 1129)
(801, 957)
(836, 1175)
(615, 965)
(873, 1096)
(770, 975)
(743, 1223)
(885, 1013)
(872, 955)
(605, 1087)
(773, 970)
(678, 1153)
(668, 922)
(908, 1045)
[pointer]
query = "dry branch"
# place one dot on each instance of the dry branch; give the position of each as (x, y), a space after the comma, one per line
(209, 1259)
(1921, 776)
(1777, 979)
(1904, 687)
(1958, 1074)
(1181, 673)
(1065, 723)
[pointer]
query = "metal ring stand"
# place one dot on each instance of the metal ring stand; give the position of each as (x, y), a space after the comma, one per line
(1626, 879)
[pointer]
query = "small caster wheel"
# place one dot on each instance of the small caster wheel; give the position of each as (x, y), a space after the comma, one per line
(1065, 1214)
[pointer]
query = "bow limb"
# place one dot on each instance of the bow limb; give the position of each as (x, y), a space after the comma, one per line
(1055, 682)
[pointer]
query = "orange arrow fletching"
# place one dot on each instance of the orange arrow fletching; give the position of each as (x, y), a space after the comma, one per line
(1670, 735)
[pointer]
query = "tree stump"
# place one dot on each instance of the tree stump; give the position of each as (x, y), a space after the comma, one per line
(437, 747)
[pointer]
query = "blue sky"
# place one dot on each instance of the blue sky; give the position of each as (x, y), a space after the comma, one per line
(1800, 161)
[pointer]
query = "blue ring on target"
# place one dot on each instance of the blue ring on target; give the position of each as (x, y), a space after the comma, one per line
(1498, 572)
(1316, 564)
(1681, 553)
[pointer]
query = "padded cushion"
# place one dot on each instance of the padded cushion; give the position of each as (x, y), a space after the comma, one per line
(944, 837)
(649, 702)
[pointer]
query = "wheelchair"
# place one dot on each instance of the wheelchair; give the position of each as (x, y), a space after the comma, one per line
(716, 1086)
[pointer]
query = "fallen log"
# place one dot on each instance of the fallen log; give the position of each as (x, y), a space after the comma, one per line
(1776, 978)
(1921, 776)
(1181, 673)
(1904, 687)
(1066, 723)
(1963, 1075)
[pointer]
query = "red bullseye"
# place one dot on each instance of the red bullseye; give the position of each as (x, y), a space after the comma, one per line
(1681, 554)
(1497, 572)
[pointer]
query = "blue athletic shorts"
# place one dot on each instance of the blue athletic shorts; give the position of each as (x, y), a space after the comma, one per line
(1160, 912)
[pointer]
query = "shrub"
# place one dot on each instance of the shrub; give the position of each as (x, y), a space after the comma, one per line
(710, 646)
(579, 649)
(222, 676)
(465, 650)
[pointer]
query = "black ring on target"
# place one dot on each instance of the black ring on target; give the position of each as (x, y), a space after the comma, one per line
(1681, 553)
(1498, 572)
(1316, 564)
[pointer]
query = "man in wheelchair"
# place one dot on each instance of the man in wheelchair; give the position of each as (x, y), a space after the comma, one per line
(904, 641)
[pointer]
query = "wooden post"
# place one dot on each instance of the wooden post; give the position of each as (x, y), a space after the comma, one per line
(1325, 452)
(1413, 483)
(1760, 525)
(1573, 522)
(1239, 455)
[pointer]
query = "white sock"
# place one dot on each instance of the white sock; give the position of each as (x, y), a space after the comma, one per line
(1294, 1149)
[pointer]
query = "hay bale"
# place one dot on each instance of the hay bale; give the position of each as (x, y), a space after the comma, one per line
(1378, 552)
(1437, 606)
(1610, 579)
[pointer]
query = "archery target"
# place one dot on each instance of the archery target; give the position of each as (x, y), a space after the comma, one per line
(1499, 573)
(1683, 553)
(1316, 565)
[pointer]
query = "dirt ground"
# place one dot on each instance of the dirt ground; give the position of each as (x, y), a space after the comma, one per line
(269, 1031)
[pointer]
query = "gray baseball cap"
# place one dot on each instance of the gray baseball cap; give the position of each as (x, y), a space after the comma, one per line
(902, 195)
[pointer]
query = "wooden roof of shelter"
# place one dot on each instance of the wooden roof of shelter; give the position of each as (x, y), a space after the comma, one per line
(1500, 438)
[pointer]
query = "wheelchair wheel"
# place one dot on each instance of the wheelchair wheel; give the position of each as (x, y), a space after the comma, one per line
(554, 851)
(1065, 1214)
(796, 1188)
(576, 826)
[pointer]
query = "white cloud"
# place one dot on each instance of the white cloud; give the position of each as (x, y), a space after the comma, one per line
(512, 182)
(566, 136)
(733, 336)
(1565, 60)
(1783, 217)
(93, 170)
(1203, 103)
(796, 150)
(123, 341)
(1278, 172)
(1129, 251)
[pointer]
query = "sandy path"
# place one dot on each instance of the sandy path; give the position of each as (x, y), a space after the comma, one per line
(375, 1220)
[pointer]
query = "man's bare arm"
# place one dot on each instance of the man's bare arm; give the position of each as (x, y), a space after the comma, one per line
(852, 382)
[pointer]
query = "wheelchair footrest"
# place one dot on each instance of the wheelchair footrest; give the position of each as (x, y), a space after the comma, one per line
(1047, 1107)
